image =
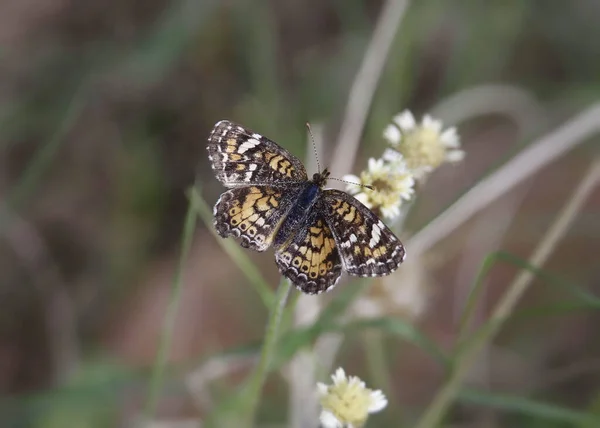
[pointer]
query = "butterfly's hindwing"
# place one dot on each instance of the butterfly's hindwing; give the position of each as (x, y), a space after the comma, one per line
(252, 213)
(311, 260)
(241, 157)
(366, 245)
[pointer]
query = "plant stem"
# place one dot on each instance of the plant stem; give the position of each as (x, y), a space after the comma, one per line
(170, 317)
(235, 252)
(258, 377)
(379, 369)
(365, 84)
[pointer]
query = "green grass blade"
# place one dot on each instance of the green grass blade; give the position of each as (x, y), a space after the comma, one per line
(158, 372)
(490, 260)
(234, 251)
(575, 290)
(526, 406)
(45, 155)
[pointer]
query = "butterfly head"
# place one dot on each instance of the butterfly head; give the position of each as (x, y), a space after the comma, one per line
(320, 178)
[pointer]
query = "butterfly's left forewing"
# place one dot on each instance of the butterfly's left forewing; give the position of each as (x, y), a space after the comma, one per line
(241, 157)
(366, 245)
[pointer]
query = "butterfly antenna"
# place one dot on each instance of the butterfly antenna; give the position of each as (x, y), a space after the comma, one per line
(354, 184)
(314, 146)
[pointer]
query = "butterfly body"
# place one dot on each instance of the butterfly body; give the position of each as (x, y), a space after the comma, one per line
(300, 210)
(271, 202)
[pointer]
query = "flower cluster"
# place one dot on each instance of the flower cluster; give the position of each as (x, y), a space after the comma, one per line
(424, 146)
(348, 402)
(391, 183)
(415, 150)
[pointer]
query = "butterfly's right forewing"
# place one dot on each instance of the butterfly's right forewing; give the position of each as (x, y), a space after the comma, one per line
(367, 246)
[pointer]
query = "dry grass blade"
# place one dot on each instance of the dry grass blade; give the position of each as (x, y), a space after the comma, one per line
(365, 84)
(502, 311)
(515, 171)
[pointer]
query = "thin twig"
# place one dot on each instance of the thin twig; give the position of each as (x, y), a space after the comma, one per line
(502, 311)
(483, 240)
(515, 171)
(365, 84)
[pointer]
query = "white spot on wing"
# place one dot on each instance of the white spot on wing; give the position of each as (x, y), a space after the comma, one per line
(247, 145)
(375, 235)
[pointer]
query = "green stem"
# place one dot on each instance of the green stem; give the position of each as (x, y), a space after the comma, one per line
(379, 368)
(377, 361)
(258, 377)
(170, 317)
(233, 249)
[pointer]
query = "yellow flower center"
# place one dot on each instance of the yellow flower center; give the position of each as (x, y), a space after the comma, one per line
(382, 185)
(349, 402)
(422, 147)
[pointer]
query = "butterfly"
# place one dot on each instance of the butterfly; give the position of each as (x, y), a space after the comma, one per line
(316, 232)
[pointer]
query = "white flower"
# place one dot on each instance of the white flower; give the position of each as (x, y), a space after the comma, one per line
(391, 182)
(348, 402)
(424, 145)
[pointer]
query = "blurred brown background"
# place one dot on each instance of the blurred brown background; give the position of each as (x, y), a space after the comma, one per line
(104, 112)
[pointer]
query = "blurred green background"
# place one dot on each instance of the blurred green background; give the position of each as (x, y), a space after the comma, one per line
(105, 108)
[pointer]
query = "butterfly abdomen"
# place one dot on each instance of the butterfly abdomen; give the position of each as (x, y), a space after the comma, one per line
(298, 214)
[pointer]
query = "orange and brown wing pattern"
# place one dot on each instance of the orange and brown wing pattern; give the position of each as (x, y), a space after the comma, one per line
(311, 260)
(242, 157)
(367, 246)
(251, 213)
